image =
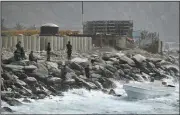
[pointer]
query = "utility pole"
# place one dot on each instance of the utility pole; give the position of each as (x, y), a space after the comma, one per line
(82, 17)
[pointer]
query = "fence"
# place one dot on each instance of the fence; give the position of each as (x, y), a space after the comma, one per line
(38, 43)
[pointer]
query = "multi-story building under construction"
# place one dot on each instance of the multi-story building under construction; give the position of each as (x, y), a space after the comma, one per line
(114, 27)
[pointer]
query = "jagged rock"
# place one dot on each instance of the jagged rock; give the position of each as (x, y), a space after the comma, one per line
(86, 84)
(154, 60)
(13, 102)
(110, 68)
(98, 84)
(54, 80)
(109, 62)
(121, 73)
(38, 76)
(127, 60)
(138, 58)
(41, 96)
(125, 66)
(150, 65)
(30, 80)
(106, 73)
(174, 68)
(76, 66)
(42, 68)
(6, 109)
(107, 83)
(55, 72)
(20, 82)
(20, 75)
(26, 100)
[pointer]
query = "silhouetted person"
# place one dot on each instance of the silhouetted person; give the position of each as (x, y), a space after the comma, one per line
(48, 51)
(92, 61)
(18, 45)
(31, 57)
(63, 72)
(69, 50)
(17, 55)
(87, 71)
(22, 53)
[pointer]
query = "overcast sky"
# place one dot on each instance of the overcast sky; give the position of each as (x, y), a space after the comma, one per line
(162, 17)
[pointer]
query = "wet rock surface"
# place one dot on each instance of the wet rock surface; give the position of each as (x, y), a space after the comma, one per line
(38, 80)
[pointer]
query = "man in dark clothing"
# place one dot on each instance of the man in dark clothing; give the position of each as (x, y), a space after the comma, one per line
(69, 50)
(63, 72)
(18, 45)
(22, 53)
(31, 57)
(87, 71)
(17, 55)
(48, 51)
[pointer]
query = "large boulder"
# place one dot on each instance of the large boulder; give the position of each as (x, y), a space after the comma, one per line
(38, 76)
(30, 80)
(110, 68)
(54, 80)
(106, 73)
(88, 85)
(76, 66)
(139, 58)
(55, 72)
(42, 68)
(107, 83)
(6, 109)
(127, 60)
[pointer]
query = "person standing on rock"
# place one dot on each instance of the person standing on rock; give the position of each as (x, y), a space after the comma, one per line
(69, 50)
(63, 72)
(87, 71)
(31, 57)
(48, 51)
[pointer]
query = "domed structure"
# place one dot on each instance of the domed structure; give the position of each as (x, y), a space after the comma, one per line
(49, 29)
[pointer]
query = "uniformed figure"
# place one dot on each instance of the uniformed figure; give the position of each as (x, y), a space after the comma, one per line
(69, 50)
(18, 45)
(22, 53)
(31, 57)
(63, 72)
(48, 51)
(87, 71)
(17, 55)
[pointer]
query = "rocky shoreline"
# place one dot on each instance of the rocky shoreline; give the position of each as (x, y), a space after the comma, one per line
(39, 80)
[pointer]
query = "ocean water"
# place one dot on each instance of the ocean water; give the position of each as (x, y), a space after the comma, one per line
(82, 101)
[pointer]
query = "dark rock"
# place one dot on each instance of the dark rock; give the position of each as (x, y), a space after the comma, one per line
(121, 73)
(26, 100)
(20, 75)
(41, 96)
(13, 102)
(125, 66)
(110, 68)
(107, 83)
(112, 92)
(106, 73)
(38, 76)
(55, 72)
(150, 65)
(98, 84)
(86, 84)
(127, 60)
(76, 66)
(6, 109)
(54, 80)
(30, 80)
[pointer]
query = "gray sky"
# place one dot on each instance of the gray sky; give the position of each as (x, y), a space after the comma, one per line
(162, 17)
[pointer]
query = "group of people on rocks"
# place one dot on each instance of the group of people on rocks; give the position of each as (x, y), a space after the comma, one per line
(19, 54)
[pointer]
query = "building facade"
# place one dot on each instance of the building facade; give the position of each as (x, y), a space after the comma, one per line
(114, 27)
